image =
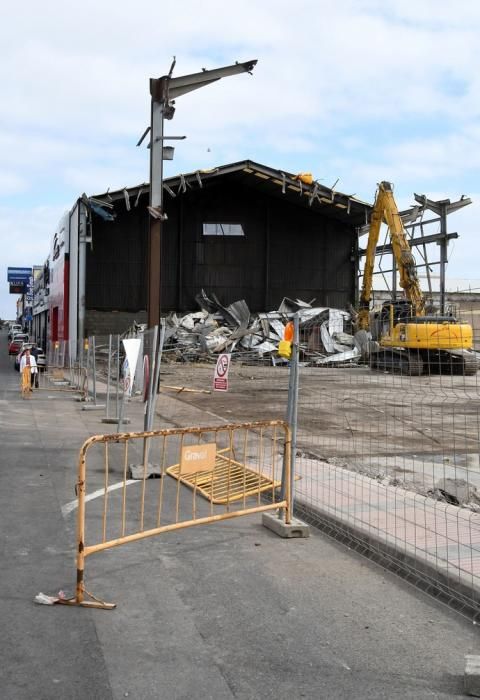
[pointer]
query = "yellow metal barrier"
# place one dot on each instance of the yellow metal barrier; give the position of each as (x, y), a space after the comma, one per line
(208, 474)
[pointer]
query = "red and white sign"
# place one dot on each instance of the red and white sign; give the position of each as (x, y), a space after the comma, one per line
(220, 378)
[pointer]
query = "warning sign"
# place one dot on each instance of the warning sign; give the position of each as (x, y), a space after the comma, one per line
(220, 379)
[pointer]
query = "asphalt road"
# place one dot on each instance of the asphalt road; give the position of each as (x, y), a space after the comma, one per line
(218, 612)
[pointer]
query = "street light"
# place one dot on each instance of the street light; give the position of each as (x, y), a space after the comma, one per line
(164, 91)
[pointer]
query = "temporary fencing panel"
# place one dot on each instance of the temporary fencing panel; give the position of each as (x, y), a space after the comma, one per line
(389, 462)
(63, 372)
(207, 475)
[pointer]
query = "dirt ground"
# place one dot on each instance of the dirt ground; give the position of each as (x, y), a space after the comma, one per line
(414, 429)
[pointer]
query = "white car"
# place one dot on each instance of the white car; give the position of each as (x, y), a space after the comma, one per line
(13, 329)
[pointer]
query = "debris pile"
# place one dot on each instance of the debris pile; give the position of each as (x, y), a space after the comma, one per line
(254, 338)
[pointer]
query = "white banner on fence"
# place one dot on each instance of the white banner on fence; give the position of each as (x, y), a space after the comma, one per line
(220, 378)
(132, 349)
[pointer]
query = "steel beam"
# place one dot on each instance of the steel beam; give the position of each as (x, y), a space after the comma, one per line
(421, 240)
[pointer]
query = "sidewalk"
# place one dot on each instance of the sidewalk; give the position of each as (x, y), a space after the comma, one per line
(224, 611)
(432, 538)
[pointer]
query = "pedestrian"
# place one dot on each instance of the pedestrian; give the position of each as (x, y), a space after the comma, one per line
(28, 371)
(35, 352)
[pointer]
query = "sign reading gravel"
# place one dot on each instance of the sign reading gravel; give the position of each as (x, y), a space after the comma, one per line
(198, 458)
(220, 379)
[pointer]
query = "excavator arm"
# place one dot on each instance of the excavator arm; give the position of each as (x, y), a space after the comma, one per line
(385, 209)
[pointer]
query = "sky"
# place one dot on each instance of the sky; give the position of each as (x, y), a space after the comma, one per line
(351, 90)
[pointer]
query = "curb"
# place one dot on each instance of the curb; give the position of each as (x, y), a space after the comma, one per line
(457, 592)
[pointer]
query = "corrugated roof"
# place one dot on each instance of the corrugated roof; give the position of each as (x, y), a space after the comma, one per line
(276, 182)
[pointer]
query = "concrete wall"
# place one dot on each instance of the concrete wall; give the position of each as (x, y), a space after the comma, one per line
(106, 322)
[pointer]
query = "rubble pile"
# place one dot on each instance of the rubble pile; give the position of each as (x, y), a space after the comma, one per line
(254, 338)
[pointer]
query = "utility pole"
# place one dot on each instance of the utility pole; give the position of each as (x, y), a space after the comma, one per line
(163, 92)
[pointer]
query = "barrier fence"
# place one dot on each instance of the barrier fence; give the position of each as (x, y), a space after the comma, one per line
(206, 475)
(388, 460)
(96, 370)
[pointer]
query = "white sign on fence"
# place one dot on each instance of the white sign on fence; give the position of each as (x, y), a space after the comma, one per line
(132, 348)
(220, 378)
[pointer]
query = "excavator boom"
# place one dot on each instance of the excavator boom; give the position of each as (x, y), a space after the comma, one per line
(385, 210)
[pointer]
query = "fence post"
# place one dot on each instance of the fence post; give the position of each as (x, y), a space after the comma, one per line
(80, 527)
(108, 375)
(118, 376)
(156, 375)
(294, 408)
(87, 393)
(94, 371)
(70, 368)
(153, 388)
(146, 421)
(292, 405)
(95, 406)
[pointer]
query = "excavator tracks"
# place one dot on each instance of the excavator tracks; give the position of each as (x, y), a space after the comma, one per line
(417, 363)
(450, 363)
(397, 361)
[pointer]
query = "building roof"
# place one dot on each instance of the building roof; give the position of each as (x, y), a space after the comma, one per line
(277, 183)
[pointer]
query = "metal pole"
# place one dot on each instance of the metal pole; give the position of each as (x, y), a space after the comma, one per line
(443, 255)
(82, 267)
(88, 370)
(118, 377)
(120, 415)
(294, 417)
(151, 378)
(81, 527)
(157, 376)
(108, 375)
(153, 390)
(94, 371)
(156, 202)
(146, 418)
(70, 365)
(289, 416)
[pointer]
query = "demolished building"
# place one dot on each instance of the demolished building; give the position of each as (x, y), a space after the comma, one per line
(240, 231)
(254, 337)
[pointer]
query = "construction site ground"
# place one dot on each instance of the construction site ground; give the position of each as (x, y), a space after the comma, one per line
(375, 422)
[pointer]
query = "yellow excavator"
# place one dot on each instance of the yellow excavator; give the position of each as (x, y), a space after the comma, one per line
(407, 340)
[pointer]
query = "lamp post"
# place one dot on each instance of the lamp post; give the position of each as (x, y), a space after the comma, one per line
(163, 92)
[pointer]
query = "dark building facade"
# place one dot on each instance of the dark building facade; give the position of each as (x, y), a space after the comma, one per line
(242, 231)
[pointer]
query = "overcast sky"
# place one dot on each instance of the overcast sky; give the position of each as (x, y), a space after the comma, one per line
(359, 90)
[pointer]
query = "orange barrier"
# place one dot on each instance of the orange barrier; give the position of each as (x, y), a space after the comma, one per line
(207, 474)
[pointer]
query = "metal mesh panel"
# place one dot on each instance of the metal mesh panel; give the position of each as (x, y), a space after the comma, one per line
(389, 459)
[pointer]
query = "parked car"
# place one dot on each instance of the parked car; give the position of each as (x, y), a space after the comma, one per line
(17, 342)
(40, 356)
(13, 330)
(41, 360)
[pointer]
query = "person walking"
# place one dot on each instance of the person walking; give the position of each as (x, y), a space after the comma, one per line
(28, 371)
(35, 352)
